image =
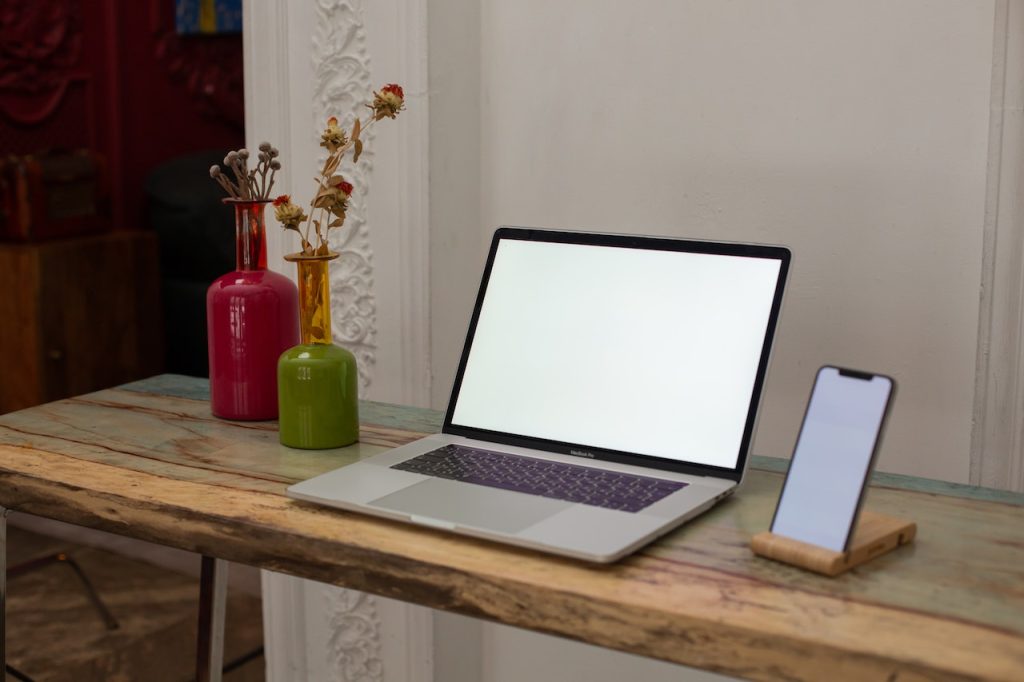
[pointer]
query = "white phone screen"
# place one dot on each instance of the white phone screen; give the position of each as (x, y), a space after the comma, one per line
(833, 457)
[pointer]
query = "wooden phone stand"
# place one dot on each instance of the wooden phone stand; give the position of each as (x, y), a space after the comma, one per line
(875, 535)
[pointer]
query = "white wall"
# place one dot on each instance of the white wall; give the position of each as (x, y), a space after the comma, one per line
(455, 223)
(857, 133)
(854, 132)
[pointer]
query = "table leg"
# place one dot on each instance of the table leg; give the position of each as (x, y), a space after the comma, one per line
(3, 590)
(213, 593)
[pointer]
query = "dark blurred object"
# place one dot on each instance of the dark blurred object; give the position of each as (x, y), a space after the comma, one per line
(58, 636)
(53, 195)
(197, 245)
(77, 315)
(115, 77)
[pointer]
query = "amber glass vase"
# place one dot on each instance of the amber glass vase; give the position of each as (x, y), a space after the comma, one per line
(317, 381)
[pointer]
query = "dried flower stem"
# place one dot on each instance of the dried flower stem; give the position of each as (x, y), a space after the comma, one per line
(228, 186)
(331, 164)
(330, 203)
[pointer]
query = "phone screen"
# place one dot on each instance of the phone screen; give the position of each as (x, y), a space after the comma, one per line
(833, 457)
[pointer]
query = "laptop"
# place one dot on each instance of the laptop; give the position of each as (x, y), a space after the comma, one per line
(607, 392)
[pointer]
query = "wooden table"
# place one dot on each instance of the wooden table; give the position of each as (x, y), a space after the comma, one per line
(148, 461)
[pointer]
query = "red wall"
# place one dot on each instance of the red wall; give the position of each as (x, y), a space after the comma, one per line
(111, 75)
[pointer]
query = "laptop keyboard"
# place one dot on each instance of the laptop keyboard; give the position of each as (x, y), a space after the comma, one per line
(555, 480)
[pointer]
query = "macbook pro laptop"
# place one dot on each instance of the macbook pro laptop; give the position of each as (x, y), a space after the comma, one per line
(607, 392)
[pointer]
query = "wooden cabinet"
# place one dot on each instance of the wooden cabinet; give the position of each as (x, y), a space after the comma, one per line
(77, 315)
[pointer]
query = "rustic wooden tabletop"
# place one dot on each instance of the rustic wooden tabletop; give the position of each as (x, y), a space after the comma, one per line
(148, 460)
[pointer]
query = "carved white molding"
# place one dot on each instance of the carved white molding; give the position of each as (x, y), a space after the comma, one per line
(354, 643)
(414, 207)
(314, 631)
(997, 439)
(341, 69)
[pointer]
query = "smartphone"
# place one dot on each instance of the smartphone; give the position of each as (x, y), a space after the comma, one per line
(833, 457)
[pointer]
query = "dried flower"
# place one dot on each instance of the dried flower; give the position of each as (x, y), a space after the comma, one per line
(388, 101)
(287, 213)
(333, 197)
(242, 183)
(332, 191)
(333, 136)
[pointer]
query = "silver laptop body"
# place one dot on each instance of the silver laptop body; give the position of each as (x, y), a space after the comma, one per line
(608, 391)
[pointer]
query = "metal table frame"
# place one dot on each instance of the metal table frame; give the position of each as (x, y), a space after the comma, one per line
(213, 592)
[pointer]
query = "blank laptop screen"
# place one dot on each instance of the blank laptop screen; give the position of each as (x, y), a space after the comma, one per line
(640, 351)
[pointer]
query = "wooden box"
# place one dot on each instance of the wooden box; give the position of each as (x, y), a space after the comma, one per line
(875, 535)
(77, 315)
(53, 195)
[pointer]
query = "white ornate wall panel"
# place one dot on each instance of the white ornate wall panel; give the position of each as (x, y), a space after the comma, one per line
(316, 632)
(997, 443)
(306, 61)
(340, 63)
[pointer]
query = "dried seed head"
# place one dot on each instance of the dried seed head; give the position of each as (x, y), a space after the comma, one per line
(243, 154)
(275, 165)
(264, 146)
(263, 157)
(214, 171)
(230, 158)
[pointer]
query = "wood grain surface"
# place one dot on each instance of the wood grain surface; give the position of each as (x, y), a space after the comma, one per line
(148, 461)
(874, 535)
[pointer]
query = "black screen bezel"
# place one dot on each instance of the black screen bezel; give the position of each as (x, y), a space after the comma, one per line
(779, 253)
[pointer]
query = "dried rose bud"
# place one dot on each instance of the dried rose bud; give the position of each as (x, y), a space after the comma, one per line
(388, 101)
(336, 200)
(333, 136)
(287, 213)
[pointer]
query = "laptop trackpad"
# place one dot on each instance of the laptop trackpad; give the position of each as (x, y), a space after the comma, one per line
(467, 504)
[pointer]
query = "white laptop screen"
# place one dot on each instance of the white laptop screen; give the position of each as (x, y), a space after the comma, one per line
(649, 352)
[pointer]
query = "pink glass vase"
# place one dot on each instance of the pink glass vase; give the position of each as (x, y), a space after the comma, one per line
(251, 318)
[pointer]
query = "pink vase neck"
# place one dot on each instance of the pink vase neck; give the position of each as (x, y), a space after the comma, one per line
(250, 235)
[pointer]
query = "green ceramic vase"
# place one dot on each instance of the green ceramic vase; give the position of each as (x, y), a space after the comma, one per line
(317, 381)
